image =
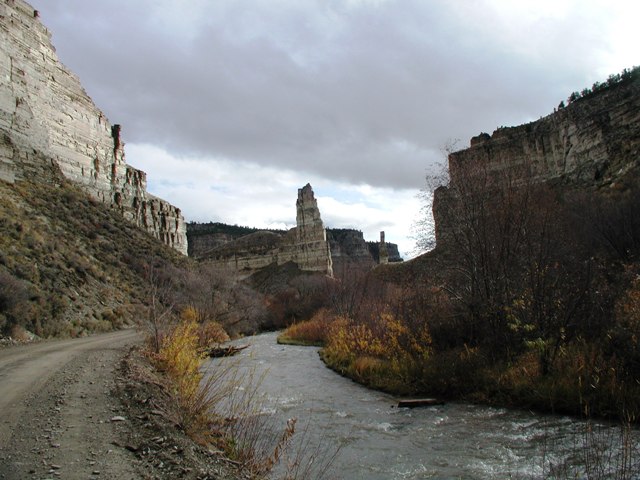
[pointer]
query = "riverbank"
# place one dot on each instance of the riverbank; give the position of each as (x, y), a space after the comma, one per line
(580, 384)
(162, 449)
(379, 441)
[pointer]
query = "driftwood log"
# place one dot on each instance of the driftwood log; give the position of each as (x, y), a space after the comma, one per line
(220, 351)
(419, 402)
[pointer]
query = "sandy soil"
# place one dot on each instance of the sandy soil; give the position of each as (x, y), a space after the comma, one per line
(90, 409)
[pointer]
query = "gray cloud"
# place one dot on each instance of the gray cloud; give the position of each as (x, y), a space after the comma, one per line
(361, 92)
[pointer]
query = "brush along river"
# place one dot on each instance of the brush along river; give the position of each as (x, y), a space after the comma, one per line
(376, 440)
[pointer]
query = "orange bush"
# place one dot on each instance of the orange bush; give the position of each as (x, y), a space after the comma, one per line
(314, 331)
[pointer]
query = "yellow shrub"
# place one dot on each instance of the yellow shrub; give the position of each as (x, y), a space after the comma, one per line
(180, 357)
(313, 331)
(379, 351)
(367, 366)
(189, 314)
(209, 332)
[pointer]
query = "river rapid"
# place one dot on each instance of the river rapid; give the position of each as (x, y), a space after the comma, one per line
(376, 440)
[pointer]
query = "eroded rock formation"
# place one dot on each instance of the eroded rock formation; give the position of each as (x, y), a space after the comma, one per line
(44, 109)
(349, 250)
(384, 253)
(593, 144)
(594, 141)
(305, 245)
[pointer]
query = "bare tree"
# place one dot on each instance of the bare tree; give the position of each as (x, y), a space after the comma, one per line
(514, 261)
(160, 300)
(424, 227)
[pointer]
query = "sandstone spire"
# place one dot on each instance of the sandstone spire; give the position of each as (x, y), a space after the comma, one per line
(311, 237)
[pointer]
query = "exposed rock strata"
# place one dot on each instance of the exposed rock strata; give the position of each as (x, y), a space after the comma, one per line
(305, 245)
(349, 250)
(593, 144)
(393, 254)
(44, 108)
(384, 253)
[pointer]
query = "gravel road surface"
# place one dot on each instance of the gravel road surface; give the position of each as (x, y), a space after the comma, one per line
(58, 415)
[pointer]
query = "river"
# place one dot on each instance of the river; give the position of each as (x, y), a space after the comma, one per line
(375, 440)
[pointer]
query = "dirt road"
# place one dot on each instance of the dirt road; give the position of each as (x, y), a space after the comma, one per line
(58, 415)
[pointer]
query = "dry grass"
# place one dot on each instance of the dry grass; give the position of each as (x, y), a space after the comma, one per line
(310, 332)
(179, 359)
(367, 367)
(221, 405)
(67, 259)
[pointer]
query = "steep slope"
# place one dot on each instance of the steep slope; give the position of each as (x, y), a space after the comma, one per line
(69, 263)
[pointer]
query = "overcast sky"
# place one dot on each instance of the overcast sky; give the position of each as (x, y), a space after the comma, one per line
(230, 106)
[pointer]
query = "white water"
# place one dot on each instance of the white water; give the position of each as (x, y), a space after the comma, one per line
(376, 440)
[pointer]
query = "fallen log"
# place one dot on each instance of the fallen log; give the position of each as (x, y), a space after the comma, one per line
(419, 402)
(217, 352)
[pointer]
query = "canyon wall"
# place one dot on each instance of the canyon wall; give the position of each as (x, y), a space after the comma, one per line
(305, 245)
(44, 109)
(592, 144)
(349, 251)
(348, 248)
(594, 141)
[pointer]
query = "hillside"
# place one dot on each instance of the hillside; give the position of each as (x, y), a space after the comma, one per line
(69, 265)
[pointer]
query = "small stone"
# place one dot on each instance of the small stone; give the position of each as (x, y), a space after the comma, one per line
(118, 418)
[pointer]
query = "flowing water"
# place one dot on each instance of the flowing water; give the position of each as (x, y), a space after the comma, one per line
(377, 440)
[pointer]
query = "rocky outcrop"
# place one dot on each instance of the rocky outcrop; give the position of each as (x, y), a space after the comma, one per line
(591, 144)
(594, 141)
(305, 245)
(44, 108)
(383, 252)
(349, 251)
(310, 249)
(204, 237)
(393, 254)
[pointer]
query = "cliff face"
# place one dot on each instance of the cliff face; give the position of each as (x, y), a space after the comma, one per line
(592, 144)
(251, 248)
(349, 251)
(305, 245)
(44, 108)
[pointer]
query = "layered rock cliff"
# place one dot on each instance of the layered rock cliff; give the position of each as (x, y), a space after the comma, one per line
(348, 248)
(592, 144)
(594, 141)
(43, 108)
(305, 245)
(349, 251)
